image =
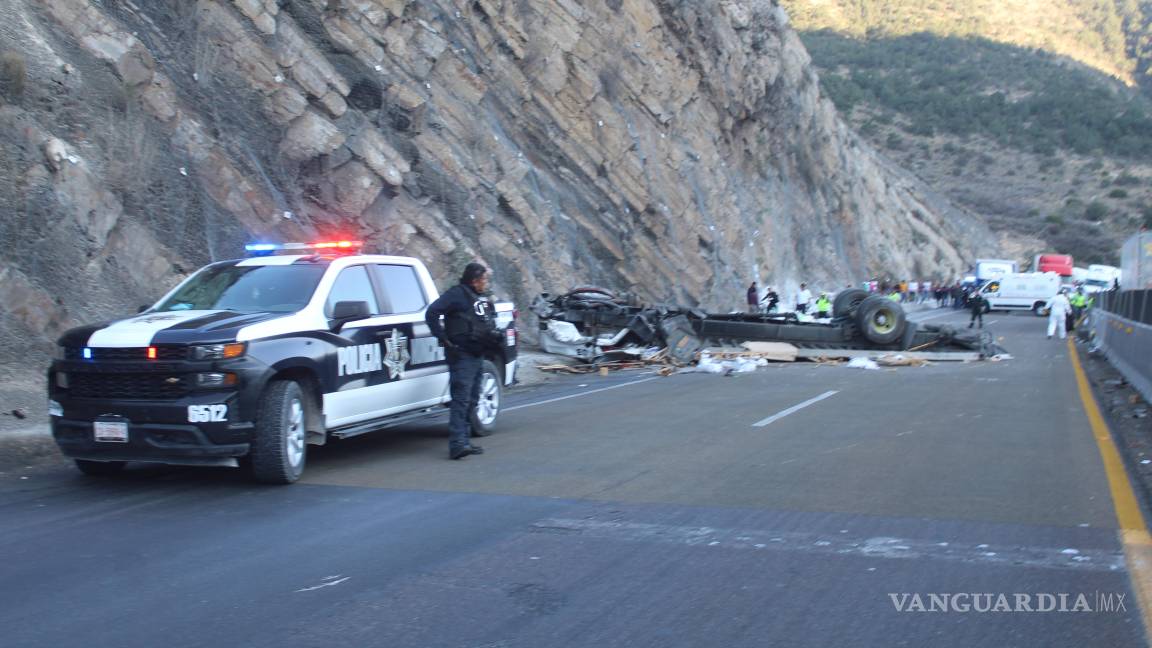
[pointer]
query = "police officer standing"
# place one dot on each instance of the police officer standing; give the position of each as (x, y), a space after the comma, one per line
(976, 304)
(469, 328)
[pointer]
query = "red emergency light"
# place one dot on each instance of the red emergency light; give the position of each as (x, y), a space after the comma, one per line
(342, 245)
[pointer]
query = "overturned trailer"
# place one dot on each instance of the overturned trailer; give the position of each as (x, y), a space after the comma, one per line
(590, 322)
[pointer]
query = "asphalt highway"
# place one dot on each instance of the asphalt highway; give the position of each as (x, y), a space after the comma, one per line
(800, 505)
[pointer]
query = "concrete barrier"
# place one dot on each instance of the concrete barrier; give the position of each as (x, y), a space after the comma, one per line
(1125, 336)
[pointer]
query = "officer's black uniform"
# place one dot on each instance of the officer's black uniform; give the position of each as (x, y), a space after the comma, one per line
(976, 303)
(772, 298)
(469, 328)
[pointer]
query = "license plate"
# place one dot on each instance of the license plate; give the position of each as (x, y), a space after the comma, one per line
(111, 431)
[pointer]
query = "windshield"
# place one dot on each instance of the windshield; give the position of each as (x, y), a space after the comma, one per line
(1100, 283)
(263, 289)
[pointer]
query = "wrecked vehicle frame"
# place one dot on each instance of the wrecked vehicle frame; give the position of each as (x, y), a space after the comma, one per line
(590, 322)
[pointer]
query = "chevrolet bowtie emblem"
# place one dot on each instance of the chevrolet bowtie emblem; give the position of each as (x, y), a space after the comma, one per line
(172, 381)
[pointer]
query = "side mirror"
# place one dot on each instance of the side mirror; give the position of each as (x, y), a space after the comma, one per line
(347, 311)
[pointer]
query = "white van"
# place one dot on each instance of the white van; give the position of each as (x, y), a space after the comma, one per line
(1021, 291)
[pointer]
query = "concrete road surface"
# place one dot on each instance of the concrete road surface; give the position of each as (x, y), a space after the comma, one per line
(801, 505)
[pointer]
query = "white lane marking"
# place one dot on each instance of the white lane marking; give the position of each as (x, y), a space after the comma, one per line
(794, 408)
(330, 583)
(844, 544)
(850, 445)
(593, 391)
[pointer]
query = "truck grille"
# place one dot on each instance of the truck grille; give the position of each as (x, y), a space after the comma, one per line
(126, 386)
(129, 353)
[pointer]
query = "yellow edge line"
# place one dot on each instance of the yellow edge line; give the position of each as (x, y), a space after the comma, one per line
(1133, 531)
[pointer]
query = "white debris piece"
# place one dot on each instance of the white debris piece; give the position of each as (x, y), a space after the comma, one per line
(862, 363)
(566, 332)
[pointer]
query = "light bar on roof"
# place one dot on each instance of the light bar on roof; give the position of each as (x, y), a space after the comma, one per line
(257, 249)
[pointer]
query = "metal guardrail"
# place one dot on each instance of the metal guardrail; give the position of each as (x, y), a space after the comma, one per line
(1122, 322)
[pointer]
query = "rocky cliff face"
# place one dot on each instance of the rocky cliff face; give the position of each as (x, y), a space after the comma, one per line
(675, 149)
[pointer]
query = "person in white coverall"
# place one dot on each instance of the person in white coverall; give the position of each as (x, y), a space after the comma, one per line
(1058, 309)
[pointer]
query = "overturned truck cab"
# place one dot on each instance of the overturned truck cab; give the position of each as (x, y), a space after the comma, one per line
(591, 322)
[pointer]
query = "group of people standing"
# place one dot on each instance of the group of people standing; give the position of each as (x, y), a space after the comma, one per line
(906, 291)
(770, 301)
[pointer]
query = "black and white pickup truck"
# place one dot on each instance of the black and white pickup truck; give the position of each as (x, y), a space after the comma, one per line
(247, 362)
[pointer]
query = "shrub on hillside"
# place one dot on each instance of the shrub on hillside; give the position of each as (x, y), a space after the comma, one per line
(13, 73)
(1095, 211)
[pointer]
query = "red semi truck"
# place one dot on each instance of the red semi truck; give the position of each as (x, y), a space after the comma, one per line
(1061, 264)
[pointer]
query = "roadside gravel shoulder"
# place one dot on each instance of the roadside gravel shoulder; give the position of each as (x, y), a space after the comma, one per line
(1129, 417)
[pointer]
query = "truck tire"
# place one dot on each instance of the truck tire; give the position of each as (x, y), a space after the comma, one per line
(848, 301)
(881, 320)
(100, 468)
(279, 449)
(487, 408)
(1038, 309)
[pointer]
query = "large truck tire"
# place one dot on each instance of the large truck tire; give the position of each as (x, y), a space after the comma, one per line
(279, 446)
(847, 301)
(881, 320)
(487, 408)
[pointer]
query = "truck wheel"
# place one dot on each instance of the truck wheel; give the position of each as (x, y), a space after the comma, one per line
(1038, 309)
(848, 301)
(881, 320)
(100, 468)
(987, 308)
(278, 445)
(487, 407)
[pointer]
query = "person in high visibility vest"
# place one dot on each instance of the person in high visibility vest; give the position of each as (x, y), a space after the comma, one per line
(823, 306)
(1077, 301)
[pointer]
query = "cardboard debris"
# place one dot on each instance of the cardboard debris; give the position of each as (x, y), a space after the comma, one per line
(774, 351)
(898, 360)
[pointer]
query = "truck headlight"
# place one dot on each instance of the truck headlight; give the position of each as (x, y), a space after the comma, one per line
(210, 380)
(219, 351)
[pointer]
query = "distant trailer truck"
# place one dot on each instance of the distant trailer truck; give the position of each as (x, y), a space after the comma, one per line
(1101, 277)
(1061, 264)
(987, 269)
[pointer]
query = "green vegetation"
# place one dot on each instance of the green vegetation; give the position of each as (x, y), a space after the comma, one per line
(1021, 98)
(1112, 36)
(13, 74)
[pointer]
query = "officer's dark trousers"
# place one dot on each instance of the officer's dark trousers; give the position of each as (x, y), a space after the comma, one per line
(977, 316)
(464, 371)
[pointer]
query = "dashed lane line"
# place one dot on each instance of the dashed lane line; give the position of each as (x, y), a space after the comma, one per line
(795, 408)
(587, 393)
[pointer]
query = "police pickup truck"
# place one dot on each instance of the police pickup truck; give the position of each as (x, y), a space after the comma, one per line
(247, 362)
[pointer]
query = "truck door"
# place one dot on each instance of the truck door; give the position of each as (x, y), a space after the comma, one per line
(356, 371)
(404, 303)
